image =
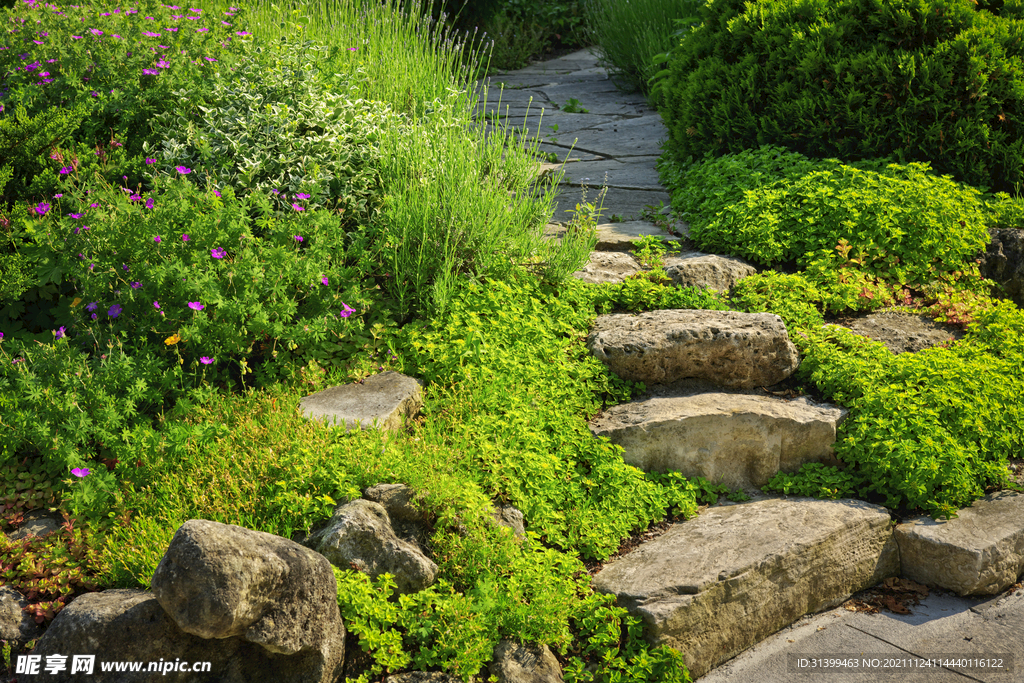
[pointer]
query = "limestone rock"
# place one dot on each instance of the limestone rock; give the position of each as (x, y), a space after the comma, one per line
(131, 626)
(517, 663)
(714, 585)
(381, 400)
(735, 350)
(408, 521)
(1003, 262)
(16, 626)
(220, 580)
(738, 440)
(695, 269)
(360, 534)
(980, 552)
(608, 266)
(422, 677)
(37, 523)
(508, 516)
(904, 332)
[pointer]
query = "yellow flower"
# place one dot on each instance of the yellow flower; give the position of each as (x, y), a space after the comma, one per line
(77, 301)
(173, 339)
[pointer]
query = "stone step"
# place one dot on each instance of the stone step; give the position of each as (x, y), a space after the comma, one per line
(732, 349)
(739, 440)
(980, 552)
(378, 402)
(714, 585)
(620, 236)
(688, 269)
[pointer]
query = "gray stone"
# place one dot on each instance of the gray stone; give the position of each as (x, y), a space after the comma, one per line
(1003, 262)
(904, 332)
(694, 269)
(381, 400)
(131, 626)
(636, 174)
(422, 677)
(221, 581)
(359, 535)
(980, 552)
(617, 236)
(16, 626)
(37, 523)
(738, 440)
(714, 585)
(518, 663)
(510, 517)
(640, 136)
(735, 350)
(608, 266)
(407, 520)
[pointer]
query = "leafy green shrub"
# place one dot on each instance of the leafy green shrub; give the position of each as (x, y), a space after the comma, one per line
(181, 270)
(936, 81)
(929, 430)
(814, 480)
(278, 131)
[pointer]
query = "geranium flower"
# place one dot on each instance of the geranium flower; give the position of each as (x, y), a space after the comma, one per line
(183, 170)
(218, 253)
(205, 360)
(195, 306)
(114, 311)
(80, 472)
(346, 311)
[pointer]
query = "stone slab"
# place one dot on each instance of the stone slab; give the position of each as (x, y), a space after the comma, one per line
(904, 332)
(617, 236)
(638, 173)
(380, 400)
(732, 349)
(694, 269)
(738, 440)
(714, 585)
(640, 136)
(608, 267)
(629, 205)
(980, 552)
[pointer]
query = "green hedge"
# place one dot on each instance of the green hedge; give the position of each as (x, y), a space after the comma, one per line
(919, 80)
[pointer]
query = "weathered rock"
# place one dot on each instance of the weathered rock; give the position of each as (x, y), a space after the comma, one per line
(422, 677)
(508, 516)
(37, 523)
(738, 440)
(980, 552)
(381, 400)
(517, 663)
(221, 581)
(16, 626)
(714, 585)
(131, 626)
(734, 350)
(608, 266)
(1003, 262)
(904, 332)
(695, 269)
(360, 535)
(408, 521)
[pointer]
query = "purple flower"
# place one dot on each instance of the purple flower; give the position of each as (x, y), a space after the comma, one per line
(210, 59)
(298, 238)
(80, 472)
(59, 334)
(150, 33)
(91, 307)
(76, 216)
(136, 285)
(205, 360)
(58, 196)
(217, 192)
(41, 208)
(185, 238)
(150, 162)
(149, 203)
(96, 32)
(114, 311)
(323, 280)
(157, 239)
(156, 305)
(302, 196)
(242, 33)
(297, 207)
(124, 267)
(150, 72)
(182, 170)
(1, 335)
(195, 306)
(93, 316)
(162, 64)
(346, 311)
(218, 253)
(136, 198)
(64, 170)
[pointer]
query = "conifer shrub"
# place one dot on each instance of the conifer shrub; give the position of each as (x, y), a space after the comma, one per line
(934, 81)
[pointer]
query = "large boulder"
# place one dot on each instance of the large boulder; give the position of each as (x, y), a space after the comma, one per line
(221, 581)
(739, 440)
(131, 629)
(360, 536)
(714, 585)
(16, 626)
(1003, 262)
(732, 349)
(378, 402)
(696, 269)
(980, 552)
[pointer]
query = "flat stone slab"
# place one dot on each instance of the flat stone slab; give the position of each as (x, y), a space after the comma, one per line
(732, 349)
(628, 204)
(694, 269)
(714, 585)
(608, 267)
(380, 402)
(640, 136)
(637, 173)
(616, 236)
(980, 552)
(904, 332)
(739, 440)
